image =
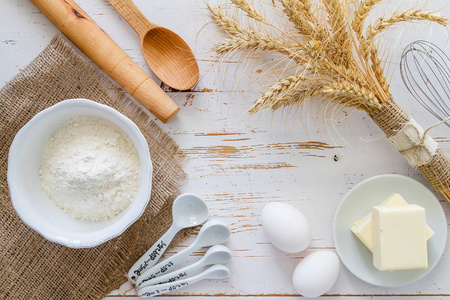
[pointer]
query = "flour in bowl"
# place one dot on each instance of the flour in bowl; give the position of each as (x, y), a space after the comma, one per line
(90, 169)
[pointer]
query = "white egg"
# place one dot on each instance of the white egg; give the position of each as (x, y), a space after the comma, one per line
(316, 273)
(286, 227)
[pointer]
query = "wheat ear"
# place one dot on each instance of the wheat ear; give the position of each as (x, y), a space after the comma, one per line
(320, 63)
(230, 25)
(242, 38)
(282, 87)
(337, 20)
(361, 14)
(353, 91)
(367, 43)
(406, 16)
(368, 49)
(290, 98)
(256, 41)
(300, 15)
(250, 10)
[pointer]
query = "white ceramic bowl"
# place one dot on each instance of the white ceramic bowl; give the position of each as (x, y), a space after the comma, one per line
(32, 204)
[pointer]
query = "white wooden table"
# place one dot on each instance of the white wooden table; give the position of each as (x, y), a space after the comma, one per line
(239, 164)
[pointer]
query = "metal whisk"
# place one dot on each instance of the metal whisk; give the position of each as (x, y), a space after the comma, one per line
(425, 70)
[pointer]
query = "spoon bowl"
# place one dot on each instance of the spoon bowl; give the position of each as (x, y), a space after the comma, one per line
(212, 233)
(216, 272)
(170, 58)
(165, 52)
(189, 210)
(217, 254)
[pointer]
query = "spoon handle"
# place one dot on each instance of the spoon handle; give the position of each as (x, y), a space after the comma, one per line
(133, 16)
(166, 265)
(151, 257)
(154, 290)
(173, 276)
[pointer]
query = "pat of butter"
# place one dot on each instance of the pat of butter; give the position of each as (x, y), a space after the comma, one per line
(400, 238)
(363, 228)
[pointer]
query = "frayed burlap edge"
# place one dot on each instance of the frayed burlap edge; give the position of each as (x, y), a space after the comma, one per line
(391, 118)
(34, 268)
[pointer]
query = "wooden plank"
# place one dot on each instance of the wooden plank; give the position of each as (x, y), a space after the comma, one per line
(287, 297)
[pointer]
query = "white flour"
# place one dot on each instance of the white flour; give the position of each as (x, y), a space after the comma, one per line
(90, 169)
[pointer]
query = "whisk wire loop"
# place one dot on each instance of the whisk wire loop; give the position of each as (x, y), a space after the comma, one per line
(425, 71)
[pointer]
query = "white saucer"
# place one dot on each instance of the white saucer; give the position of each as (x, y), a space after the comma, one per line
(358, 202)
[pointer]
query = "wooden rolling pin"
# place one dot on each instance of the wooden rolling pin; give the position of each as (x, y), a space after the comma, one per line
(79, 28)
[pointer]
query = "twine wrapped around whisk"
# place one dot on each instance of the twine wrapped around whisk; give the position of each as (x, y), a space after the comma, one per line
(392, 119)
(336, 62)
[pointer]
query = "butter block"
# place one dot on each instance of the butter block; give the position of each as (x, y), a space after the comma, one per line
(400, 238)
(363, 228)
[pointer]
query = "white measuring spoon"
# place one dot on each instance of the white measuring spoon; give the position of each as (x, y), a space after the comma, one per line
(217, 254)
(212, 233)
(214, 272)
(188, 210)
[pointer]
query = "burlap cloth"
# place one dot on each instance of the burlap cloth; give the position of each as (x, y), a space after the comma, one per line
(34, 268)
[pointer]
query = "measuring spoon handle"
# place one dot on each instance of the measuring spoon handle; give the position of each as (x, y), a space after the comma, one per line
(166, 265)
(154, 290)
(151, 257)
(174, 275)
(133, 16)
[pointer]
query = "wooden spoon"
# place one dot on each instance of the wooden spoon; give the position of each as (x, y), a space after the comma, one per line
(165, 52)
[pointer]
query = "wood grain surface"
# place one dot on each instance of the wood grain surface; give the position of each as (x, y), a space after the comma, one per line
(238, 163)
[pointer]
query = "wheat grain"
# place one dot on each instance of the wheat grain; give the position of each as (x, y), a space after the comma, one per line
(314, 49)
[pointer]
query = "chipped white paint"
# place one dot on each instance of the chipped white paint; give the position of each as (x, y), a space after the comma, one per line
(239, 164)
